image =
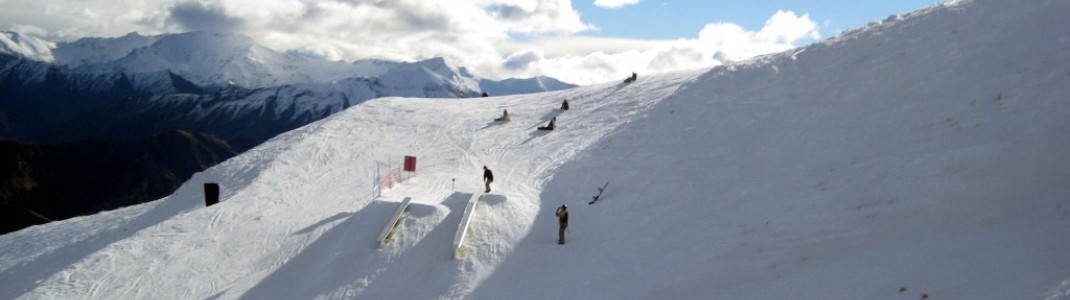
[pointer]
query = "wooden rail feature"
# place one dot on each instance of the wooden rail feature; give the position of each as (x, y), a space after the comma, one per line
(462, 228)
(388, 231)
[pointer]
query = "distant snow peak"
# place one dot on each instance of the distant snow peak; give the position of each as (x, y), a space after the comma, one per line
(206, 41)
(523, 86)
(432, 78)
(92, 50)
(25, 46)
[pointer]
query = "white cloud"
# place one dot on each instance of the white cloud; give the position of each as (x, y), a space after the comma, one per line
(473, 33)
(588, 60)
(581, 45)
(614, 4)
(539, 16)
(786, 27)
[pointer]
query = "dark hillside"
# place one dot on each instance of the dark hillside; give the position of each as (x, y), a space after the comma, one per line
(54, 182)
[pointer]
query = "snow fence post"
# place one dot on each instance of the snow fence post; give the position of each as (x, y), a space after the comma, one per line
(211, 194)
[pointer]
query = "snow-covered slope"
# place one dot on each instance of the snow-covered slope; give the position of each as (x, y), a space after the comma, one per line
(922, 157)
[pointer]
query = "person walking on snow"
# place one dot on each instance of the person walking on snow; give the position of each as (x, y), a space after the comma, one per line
(488, 177)
(562, 222)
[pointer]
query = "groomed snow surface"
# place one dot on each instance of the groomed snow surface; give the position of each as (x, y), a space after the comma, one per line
(927, 155)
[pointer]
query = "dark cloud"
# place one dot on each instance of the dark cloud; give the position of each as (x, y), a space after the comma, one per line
(508, 12)
(417, 18)
(382, 16)
(521, 61)
(195, 16)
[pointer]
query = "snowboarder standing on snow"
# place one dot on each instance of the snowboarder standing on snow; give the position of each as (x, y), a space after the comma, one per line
(562, 222)
(488, 177)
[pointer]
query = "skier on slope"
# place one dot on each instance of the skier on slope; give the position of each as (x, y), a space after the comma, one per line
(562, 222)
(488, 177)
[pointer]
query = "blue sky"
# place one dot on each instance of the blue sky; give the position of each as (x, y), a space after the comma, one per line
(668, 19)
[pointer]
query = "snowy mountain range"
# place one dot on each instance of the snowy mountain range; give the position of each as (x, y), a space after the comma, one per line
(205, 81)
(924, 156)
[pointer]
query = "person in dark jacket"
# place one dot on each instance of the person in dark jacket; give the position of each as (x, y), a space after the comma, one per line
(633, 78)
(562, 222)
(551, 126)
(488, 177)
(564, 105)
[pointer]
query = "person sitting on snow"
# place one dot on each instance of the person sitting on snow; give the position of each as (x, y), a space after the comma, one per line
(633, 78)
(564, 105)
(551, 126)
(504, 117)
